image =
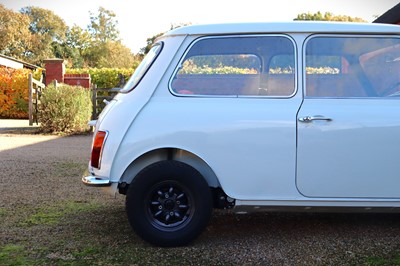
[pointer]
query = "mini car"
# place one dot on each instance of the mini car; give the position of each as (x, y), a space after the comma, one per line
(298, 116)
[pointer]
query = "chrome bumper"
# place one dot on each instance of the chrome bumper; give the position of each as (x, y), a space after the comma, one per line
(95, 181)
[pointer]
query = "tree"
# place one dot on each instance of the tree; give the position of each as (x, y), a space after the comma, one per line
(35, 34)
(75, 47)
(78, 37)
(15, 37)
(103, 26)
(150, 41)
(327, 17)
(110, 54)
(105, 49)
(46, 28)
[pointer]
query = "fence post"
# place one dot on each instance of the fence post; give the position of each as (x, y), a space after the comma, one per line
(30, 86)
(94, 101)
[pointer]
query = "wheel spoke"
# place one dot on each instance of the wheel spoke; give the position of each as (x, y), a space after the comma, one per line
(155, 203)
(180, 196)
(157, 213)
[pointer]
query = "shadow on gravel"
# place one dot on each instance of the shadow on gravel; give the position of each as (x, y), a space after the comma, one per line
(41, 168)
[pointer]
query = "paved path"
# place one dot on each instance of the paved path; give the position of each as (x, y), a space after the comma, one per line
(17, 125)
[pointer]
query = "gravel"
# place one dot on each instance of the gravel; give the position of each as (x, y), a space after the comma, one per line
(42, 172)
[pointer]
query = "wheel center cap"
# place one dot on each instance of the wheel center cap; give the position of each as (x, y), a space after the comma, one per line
(169, 204)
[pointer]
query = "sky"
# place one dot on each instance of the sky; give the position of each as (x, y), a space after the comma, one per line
(139, 20)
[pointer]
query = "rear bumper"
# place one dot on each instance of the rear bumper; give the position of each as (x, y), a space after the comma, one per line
(94, 181)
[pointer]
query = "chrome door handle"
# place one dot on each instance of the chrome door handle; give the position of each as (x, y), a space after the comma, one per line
(308, 119)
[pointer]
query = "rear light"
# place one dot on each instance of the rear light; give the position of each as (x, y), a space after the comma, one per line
(97, 148)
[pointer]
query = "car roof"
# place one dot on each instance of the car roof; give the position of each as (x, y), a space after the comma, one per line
(285, 27)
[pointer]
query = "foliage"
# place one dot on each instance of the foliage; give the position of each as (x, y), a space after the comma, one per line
(220, 64)
(15, 37)
(104, 77)
(217, 70)
(149, 43)
(65, 109)
(327, 17)
(14, 92)
(45, 22)
(98, 46)
(110, 54)
(281, 70)
(74, 49)
(47, 29)
(103, 26)
(322, 70)
(35, 34)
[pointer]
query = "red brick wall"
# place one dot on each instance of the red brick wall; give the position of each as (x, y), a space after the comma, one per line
(55, 70)
(77, 80)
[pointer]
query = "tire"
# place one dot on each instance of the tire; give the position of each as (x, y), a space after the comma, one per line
(169, 204)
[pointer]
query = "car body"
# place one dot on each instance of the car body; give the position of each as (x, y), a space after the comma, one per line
(270, 116)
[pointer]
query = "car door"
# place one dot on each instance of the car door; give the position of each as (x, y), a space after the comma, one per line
(349, 122)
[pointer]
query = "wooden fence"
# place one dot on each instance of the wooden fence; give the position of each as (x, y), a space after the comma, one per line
(100, 98)
(35, 89)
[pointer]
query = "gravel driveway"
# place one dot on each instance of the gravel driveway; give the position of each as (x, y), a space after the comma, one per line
(49, 218)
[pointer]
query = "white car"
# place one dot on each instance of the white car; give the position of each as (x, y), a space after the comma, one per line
(298, 116)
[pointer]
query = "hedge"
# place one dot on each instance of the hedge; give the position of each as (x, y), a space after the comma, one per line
(104, 77)
(14, 92)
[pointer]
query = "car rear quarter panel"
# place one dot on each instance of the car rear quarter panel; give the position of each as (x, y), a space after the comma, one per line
(128, 106)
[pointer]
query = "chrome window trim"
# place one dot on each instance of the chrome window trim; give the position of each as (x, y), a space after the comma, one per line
(179, 65)
(351, 35)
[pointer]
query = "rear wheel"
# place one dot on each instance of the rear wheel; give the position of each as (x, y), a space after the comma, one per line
(169, 203)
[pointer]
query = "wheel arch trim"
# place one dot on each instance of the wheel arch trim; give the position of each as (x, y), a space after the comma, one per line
(176, 154)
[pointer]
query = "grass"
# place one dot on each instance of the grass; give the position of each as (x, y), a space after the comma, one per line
(382, 261)
(11, 255)
(97, 233)
(3, 212)
(52, 215)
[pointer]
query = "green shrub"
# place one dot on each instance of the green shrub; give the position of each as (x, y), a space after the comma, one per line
(65, 108)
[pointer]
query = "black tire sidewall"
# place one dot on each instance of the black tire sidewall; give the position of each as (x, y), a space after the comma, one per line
(189, 179)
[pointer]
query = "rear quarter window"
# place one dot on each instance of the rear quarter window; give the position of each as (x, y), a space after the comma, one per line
(143, 67)
(237, 66)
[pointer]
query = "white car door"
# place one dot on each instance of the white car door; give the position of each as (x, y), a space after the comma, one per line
(349, 123)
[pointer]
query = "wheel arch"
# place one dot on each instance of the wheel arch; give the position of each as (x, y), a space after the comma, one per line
(170, 154)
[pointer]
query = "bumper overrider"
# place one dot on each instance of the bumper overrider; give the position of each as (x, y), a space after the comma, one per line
(94, 181)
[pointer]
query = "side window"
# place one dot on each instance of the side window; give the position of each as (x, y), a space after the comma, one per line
(382, 67)
(347, 67)
(279, 80)
(235, 66)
